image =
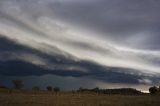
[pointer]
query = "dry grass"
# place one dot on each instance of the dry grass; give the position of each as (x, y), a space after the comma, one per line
(69, 99)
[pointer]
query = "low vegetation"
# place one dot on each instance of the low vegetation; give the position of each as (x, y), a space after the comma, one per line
(77, 99)
(52, 96)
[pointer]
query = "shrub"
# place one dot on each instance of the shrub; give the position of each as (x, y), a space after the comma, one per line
(153, 90)
(18, 84)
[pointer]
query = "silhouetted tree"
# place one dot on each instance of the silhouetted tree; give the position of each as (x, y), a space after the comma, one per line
(153, 90)
(49, 88)
(97, 90)
(18, 84)
(56, 89)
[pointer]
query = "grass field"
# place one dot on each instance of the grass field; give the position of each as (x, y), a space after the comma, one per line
(69, 99)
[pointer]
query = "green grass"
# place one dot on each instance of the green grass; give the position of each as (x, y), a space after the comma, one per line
(68, 99)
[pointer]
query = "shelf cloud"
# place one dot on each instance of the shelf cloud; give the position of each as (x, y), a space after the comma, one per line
(110, 33)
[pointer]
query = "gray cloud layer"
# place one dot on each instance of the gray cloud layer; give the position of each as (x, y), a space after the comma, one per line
(122, 20)
(116, 33)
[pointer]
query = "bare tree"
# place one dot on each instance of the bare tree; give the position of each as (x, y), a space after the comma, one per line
(18, 84)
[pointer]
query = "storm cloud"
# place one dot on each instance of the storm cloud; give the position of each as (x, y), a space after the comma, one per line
(117, 38)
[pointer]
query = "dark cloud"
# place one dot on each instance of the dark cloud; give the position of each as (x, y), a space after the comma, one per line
(118, 19)
(121, 43)
(16, 67)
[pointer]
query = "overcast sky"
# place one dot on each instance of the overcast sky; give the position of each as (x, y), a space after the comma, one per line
(117, 33)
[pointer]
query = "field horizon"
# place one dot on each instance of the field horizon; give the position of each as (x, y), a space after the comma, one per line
(76, 99)
(13, 97)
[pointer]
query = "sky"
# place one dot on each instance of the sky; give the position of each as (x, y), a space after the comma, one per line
(117, 36)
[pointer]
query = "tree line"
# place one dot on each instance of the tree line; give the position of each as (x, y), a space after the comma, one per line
(18, 84)
(119, 91)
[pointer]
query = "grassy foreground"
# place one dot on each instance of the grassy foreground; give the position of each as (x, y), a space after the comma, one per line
(69, 99)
